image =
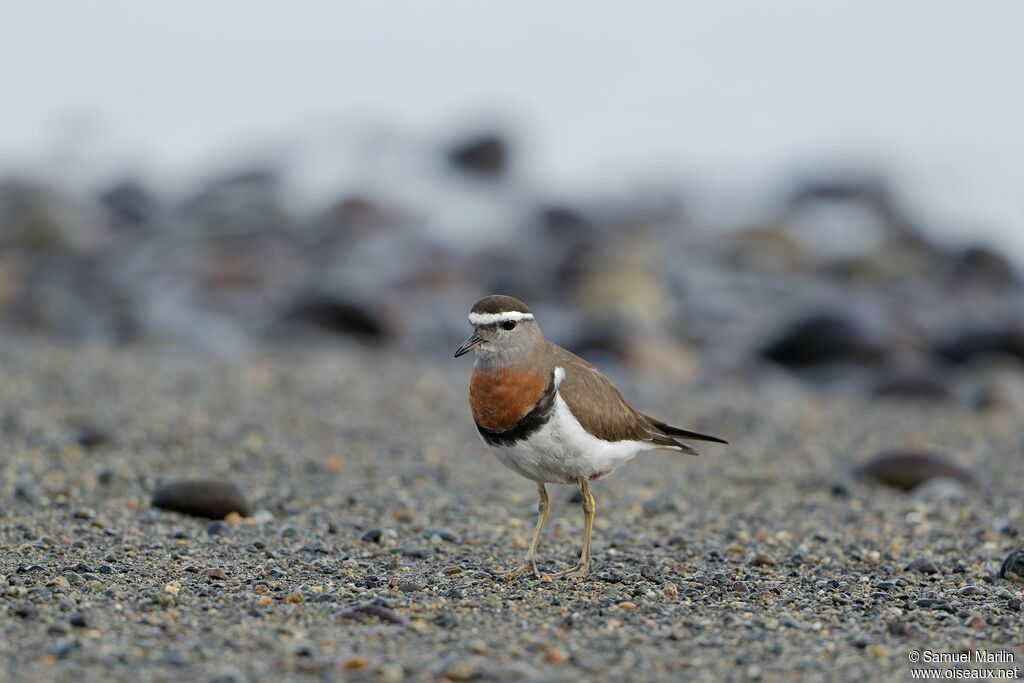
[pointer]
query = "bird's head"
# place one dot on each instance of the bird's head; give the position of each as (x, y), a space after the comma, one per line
(504, 330)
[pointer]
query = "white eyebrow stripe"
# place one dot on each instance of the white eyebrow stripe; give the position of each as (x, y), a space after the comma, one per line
(489, 318)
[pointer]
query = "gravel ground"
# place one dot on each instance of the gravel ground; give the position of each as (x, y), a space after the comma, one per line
(379, 515)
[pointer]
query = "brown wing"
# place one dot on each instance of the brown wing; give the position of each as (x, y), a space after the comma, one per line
(600, 408)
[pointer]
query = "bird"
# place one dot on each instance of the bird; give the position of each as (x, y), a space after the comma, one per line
(552, 417)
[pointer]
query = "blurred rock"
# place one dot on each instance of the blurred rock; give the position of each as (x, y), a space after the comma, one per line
(869, 191)
(484, 155)
(901, 258)
(823, 338)
(1013, 566)
(981, 269)
(209, 498)
(768, 248)
(35, 217)
(129, 206)
(337, 316)
(1007, 341)
(921, 387)
(908, 470)
(998, 386)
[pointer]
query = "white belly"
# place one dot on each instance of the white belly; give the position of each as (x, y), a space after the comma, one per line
(562, 452)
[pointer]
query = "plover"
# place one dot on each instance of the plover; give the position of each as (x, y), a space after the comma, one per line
(551, 416)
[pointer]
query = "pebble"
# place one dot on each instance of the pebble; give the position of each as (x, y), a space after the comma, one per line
(443, 533)
(210, 498)
(908, 470)
(1013, 566)
(922, 565)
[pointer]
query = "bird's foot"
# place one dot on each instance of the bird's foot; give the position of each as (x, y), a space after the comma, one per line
(524, 568)
(579, 572)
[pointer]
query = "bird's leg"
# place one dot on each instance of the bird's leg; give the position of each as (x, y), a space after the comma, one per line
(530, 563)
(589, 508)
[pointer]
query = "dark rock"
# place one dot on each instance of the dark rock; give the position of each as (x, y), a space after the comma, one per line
(980, 268)
(923, 388)
(443, 533)
(25, 610)
(337, 316)
(386, 614)
(575, 497)
(209, 498)
(851, 188)
(906, 471)
(922, 565)
(485, 155)
(936, 604)
(822, 339)
(78, 620)
(93, 437)
(1013, 566)
(964, 347)
(372, 536)
(129, 205)
(898, 629)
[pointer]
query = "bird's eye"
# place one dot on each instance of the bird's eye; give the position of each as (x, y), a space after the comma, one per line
(508, 325)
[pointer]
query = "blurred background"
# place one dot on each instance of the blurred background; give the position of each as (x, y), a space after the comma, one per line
(687, 190)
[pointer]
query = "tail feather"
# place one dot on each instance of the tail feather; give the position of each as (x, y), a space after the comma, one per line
(669, 430)
(665, 441)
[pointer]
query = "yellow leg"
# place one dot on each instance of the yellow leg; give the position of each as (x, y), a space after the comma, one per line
(589, 509)
(530, 564)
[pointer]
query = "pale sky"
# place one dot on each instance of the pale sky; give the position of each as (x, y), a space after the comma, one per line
(737, 94)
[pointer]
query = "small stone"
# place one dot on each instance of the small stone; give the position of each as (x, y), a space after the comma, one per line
(354, 664)
(762, 560)
(478, 647)
(908, 470)
(976, 621)
(210, 498)
(922, 565)
(462, 670)
(216, 528)
(374, 610)
(372, 536)
(483, 155)
(25, 610)
(936, 604)
(627, 605)
(288, 531)
(899, 629)
(555, 655)
(217, 574)
(78, 620)
(294, 598)
(970, 590)
(59, 582)
(58, 628)
(1013, 566)
(443, 533)
(412, 549)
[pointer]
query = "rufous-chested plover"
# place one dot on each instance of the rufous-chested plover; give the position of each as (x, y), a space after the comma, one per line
(551, 416)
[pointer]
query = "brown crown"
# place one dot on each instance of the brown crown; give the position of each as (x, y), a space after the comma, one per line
(499, 303)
